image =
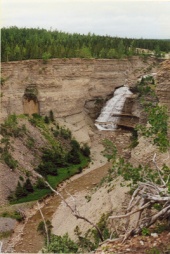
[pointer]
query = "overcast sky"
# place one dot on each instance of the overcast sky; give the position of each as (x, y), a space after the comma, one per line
(133, 19)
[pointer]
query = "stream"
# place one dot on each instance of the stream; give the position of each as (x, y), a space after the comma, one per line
(31, 241)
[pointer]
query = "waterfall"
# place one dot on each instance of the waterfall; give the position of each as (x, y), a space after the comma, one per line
(111, 112)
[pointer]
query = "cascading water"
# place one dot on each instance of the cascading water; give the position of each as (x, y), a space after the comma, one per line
(110, 114)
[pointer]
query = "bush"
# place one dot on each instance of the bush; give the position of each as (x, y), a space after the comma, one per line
(41, 184)
(28, 186)
(46, 120)
(41, 227)
(61, 244)
(51, 116)
(11, 163)
(86, 150)
(65, 133)
(20, 191)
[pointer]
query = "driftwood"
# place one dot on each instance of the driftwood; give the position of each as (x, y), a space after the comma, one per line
(146, 195)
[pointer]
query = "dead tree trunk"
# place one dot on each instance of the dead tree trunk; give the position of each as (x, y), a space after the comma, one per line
(74, 210)
(145, 197)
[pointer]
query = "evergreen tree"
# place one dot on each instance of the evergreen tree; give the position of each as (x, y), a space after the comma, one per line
(20, 191)
(28, 186)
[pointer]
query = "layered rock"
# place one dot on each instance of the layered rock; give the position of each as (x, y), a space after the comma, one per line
(66, 86)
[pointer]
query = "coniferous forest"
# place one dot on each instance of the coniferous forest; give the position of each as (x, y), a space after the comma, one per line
(35, 43)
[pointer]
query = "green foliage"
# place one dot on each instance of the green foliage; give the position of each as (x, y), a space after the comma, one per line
(14, 215)
(8, 159)
(65, 133)
(157, 116)
(47, 167)
(128, 171)
(61, 244)
(134, 139)
(31, 94)
(41, 227)
(90, 240)
(85, 150)
(2, 81)
(28, 186)
(51, 116)
(30, 142)
(110, 151)
(145, 231)
(10, 127)
(46, 56)
(85, 244)
(158, 126)
(5, 234)
(20, 191)
(35, 43)
(46, 120)
(102, 225)
(40, 184)
(154, 250)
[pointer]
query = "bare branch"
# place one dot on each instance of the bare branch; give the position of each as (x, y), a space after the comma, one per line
(74, 211)
(158, 170)
(128, 214)
(45, 224)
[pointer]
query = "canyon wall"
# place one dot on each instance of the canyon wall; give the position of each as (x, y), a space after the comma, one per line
(73, 89)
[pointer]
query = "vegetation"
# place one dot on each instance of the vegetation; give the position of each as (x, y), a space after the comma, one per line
(61, 244)
(60, 159)
(140, 173)
(157, 116)
(150, 189)
(35, 43)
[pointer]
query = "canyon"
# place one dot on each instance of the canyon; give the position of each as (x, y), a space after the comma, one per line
(76, 90)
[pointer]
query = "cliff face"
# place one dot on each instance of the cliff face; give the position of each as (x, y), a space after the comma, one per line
(71, 88)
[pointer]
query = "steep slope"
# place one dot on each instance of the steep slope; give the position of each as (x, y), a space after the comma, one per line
(72, 88)
(28, 146)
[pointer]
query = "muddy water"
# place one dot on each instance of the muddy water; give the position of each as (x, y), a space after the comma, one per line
(31, 241)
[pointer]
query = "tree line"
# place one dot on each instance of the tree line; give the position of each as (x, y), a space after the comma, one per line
(35, 43)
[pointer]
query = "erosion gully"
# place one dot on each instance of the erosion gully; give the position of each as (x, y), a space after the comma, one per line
(31, 241)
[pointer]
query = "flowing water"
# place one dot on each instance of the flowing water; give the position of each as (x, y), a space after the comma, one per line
(110, 114)
(31, 241)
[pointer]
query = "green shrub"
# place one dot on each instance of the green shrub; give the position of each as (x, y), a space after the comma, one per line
(28, 186)
(65, 133)
(61, 244)
(8, 159)
(86, 150)
(20, 191)
(51, 116)
(41, 227)
(41, 184)
(46, 120)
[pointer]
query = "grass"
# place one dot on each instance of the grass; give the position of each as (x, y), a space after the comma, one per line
(5, 234)
(63, 174)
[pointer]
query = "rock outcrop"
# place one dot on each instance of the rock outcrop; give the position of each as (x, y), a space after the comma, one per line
(72, 88)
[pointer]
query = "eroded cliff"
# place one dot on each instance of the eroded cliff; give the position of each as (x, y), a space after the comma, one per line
(73, 89)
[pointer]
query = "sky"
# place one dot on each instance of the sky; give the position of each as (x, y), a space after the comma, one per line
(132, 19)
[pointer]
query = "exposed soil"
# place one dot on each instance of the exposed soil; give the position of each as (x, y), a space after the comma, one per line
(26, 238)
